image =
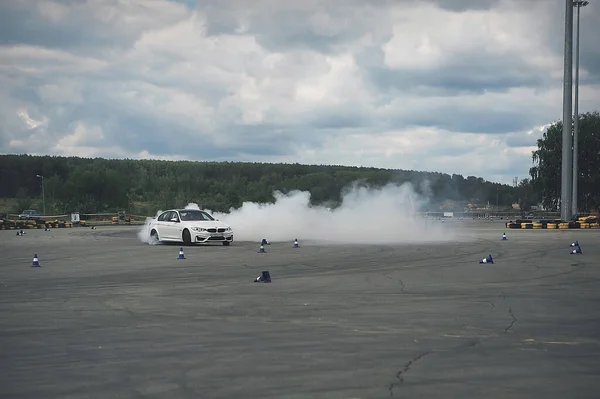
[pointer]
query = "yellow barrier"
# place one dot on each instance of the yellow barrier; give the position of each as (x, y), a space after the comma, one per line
(551, 226)
(584, 225)
(563, 225)
(537, 225)
(33, 224)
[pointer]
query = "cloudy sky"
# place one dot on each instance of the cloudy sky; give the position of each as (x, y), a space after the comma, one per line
(457, 86)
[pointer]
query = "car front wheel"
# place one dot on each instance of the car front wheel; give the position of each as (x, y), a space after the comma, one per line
(187, 237)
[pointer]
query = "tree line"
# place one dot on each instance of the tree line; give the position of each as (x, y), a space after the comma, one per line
(547, 159)
(143, 186)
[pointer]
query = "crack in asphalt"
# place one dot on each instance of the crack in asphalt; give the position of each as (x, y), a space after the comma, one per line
(406, 368)
(491, 303)
(472, 343)
(398, 280)
(512, 322)
(401, 285)
(464, 346)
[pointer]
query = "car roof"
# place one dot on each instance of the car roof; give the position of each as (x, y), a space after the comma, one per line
(182, 210)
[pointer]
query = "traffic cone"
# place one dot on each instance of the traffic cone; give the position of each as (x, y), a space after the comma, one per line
(487, 259)
(261, 249)
(36, 261)
(265, 277)
(181, 256)
(504, 237)
(575, 244)
(265, 242)
(576, 251)
(296, 243)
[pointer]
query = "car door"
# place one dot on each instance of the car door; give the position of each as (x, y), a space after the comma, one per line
(163, 225)
(173, 226)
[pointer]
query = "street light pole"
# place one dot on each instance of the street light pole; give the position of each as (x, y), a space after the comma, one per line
(578, 4)
(43, 193)
(567, 138)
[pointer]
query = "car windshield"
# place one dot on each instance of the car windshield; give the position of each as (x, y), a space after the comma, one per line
(188, 215)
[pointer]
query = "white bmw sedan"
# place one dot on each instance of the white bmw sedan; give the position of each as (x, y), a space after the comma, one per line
(189, 226)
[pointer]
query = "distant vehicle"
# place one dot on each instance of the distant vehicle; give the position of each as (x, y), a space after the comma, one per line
(30, 214)
(189, 226)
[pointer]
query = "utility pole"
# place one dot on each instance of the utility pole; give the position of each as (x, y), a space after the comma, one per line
(578, 4)
(567, 150)
(43, 193)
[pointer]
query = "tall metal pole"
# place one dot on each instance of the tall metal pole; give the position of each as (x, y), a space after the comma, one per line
(567, 150)
(578, 4)
(43, 194)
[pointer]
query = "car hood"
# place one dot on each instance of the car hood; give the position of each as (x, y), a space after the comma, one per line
(206, 223)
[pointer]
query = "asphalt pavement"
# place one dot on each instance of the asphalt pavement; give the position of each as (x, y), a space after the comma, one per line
(107, 316)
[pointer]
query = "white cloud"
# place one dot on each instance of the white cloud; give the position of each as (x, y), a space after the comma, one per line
(425, 36)
(62, 92)
(401, 85)
(29, 122)
(428, 149)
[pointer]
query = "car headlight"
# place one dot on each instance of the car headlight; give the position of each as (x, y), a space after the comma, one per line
(198, 229)
(228, 230)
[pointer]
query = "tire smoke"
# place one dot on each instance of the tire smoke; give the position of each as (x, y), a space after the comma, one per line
(144, 233)
(386, 215)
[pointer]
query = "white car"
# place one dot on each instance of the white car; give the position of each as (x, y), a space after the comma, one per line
(189, 226)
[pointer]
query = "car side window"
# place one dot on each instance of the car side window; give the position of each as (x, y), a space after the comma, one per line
(164, 217)
(173, 216)
(205, 216)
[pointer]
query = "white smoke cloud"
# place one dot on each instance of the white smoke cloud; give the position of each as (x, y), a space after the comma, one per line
(386, 215)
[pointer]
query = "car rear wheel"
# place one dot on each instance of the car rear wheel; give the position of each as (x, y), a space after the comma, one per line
(154, 237)
(187, 237)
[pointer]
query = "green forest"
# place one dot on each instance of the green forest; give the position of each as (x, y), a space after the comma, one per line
(140, 187)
